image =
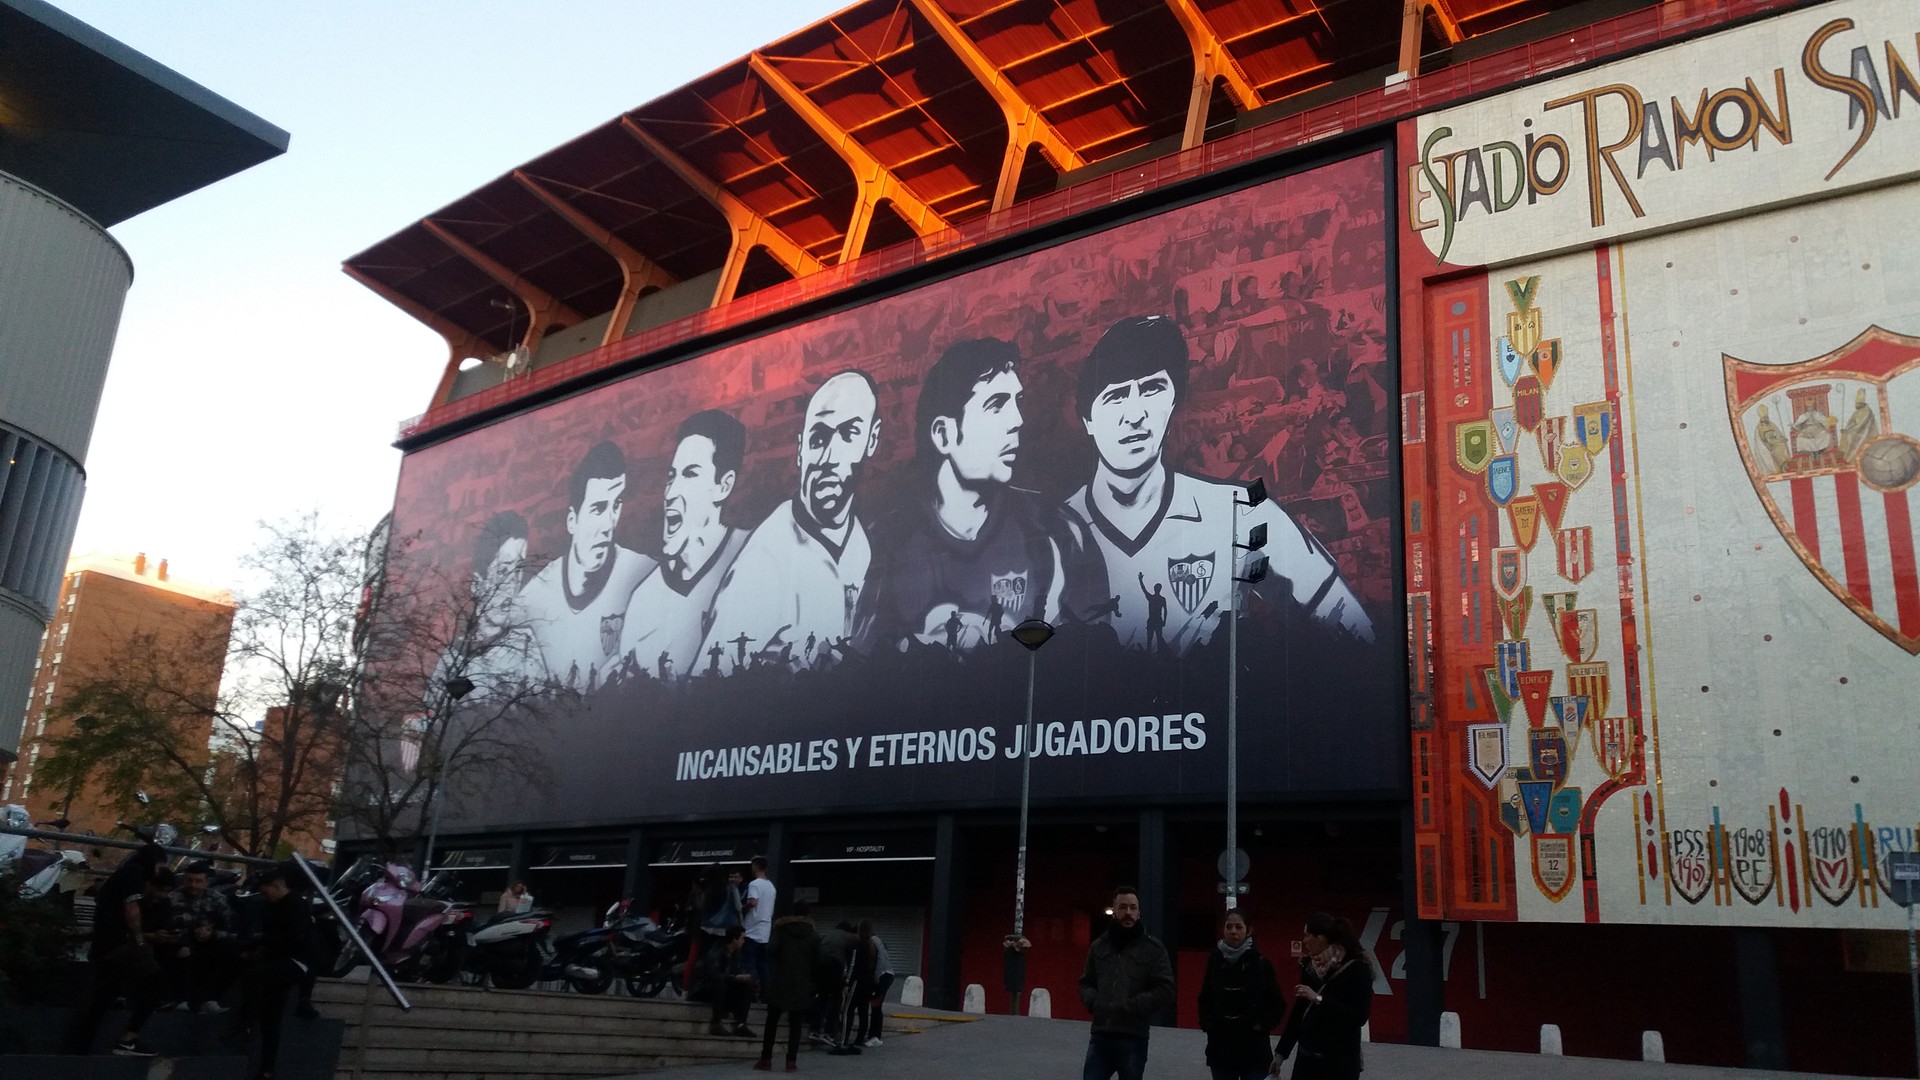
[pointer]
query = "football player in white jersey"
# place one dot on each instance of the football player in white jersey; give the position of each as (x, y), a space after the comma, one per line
(802, 571)
(576, 603)
(1166, 536)
(493, 645)
(669, 615)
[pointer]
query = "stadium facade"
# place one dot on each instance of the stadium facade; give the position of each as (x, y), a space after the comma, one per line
(1567, 343)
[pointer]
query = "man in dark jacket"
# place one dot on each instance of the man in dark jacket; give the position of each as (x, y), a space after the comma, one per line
(794, 948)
(1127, 980)
(121, 958)
(725, 982)
(280, 964)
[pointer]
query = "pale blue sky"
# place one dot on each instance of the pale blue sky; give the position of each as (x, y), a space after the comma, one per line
(252, 379)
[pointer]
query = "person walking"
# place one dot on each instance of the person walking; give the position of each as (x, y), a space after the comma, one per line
(1331, 1004)
(120, 958)
(796, 955)
(860, 982)
(279, 966)
(1239, 1004)
(756, 918)
(882, 982)
(1128, 978)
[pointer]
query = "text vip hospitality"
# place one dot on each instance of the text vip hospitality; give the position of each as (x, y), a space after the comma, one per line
(1173, 732)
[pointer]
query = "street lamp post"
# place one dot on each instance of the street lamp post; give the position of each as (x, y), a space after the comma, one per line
(1032, 633)
(1256, 571)
(457, 687)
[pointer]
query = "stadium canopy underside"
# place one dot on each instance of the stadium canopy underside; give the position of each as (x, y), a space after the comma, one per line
(889, 120)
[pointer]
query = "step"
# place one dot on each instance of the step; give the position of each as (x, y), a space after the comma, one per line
(530, 1002)
(108, 1067)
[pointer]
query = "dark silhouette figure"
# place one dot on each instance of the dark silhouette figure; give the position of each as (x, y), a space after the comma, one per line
(953, 630)
(740, 649)
(665, 664)
(713, 659)
(995, 612)
(1156, 616)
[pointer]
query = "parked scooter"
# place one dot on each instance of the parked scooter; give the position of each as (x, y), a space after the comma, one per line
(401, 926)
(511, 951)
(330, 939)
(628, 945)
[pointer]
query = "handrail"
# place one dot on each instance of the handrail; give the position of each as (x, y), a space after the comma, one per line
(346, 924)
(250, 860)
(1606, 39)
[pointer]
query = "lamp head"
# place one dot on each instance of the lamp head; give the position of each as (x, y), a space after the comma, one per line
(1033, 633)
(1257, 491)
(459, 686)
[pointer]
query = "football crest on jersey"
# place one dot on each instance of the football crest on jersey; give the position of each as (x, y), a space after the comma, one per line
(1010, 589)
(1190, 575)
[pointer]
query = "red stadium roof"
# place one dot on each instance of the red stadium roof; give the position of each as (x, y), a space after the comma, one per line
(890, 120)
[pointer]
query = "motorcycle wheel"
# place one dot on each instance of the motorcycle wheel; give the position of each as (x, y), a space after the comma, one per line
(437, 962)
(345, 959)
(590, 986)
(648, 983)
(518, 977)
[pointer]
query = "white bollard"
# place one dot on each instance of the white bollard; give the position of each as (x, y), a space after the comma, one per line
(1040, 1004)
(1652, 1047)
(1550, 1040)
(1450, 1030)
(976, 999)
(914, 993)
(1366, 1033)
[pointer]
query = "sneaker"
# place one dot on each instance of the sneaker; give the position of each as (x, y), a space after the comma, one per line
(763, 1065)
(212, 1008)
(818, 1039)
(745, 1032)
(875, 1041)
(179, 1006)
(134, 1048)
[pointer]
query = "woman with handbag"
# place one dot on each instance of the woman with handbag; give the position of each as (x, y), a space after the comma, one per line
(1239, 1004)
(1330, 1005)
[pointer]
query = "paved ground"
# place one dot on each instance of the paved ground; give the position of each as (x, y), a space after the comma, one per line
(1014, 1047)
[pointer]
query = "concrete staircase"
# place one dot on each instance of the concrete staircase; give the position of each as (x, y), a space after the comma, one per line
(468, 1033)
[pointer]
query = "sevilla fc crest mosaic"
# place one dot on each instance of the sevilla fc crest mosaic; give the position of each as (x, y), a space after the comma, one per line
(1830, 445)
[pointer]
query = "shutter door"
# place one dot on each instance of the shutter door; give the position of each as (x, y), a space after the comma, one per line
(902, 928)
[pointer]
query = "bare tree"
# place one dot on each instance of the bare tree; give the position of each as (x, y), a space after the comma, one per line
(448, 701)
(259, 756)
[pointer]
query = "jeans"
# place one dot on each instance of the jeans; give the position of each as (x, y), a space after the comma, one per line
(754, 955)
(1109, 1053)
(794, 1020)
(1222, 1072)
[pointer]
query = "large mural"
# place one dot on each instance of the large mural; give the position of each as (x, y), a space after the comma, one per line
(786, 573)
(1662, 569)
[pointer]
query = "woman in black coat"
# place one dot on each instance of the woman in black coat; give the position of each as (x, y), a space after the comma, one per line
(1239, 1004)
(1331, 1004)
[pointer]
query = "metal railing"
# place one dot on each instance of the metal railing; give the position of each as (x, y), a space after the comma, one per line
(1608, 38)
(306, 867)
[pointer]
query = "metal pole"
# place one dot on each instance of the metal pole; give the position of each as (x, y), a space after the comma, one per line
(85, 840)
(1233, 713)
(1913, 973)
(1026, 786)
(433, 822)
(346, 924)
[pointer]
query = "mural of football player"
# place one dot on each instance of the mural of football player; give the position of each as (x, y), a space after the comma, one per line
(969, 556)
(669, 615)
(577, 602)
(804, 568)
(1165, 535)
(496, 648)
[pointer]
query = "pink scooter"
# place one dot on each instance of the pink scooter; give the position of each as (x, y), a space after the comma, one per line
(400, 924)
